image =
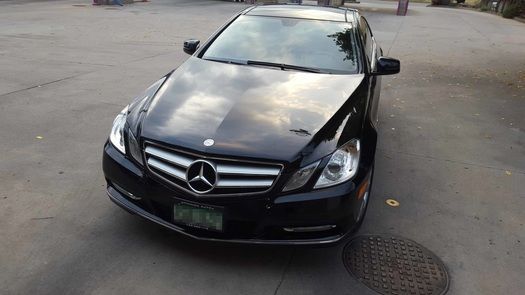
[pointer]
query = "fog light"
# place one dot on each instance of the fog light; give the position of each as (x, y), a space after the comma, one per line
(125, 192)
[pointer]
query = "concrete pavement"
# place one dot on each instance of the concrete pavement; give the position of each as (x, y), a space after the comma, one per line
(451, 151)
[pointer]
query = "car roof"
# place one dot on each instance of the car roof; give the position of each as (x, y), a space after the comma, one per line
(304, 11)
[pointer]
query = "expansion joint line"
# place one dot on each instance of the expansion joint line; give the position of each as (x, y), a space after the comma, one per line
(288, 263)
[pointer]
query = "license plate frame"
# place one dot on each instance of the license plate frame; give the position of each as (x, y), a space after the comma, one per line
(199, 216)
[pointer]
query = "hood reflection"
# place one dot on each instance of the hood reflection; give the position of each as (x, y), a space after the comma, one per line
(250, 111)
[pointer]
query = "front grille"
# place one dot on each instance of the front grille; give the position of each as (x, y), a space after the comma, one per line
(234, 177)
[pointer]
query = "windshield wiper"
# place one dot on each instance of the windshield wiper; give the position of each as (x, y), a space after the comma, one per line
(226, 60)
(266, 64)
(285, 66)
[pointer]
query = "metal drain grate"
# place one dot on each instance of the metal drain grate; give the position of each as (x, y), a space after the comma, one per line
(394, 265)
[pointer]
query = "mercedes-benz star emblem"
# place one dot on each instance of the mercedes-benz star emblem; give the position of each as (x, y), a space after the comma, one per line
(201, 176)
(209, 142)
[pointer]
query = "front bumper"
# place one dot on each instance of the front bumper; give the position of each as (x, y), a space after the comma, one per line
(254, 220)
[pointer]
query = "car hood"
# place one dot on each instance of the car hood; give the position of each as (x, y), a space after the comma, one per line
(249, 111)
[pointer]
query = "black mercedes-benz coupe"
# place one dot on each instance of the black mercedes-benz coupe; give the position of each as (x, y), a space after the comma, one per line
(266, 134)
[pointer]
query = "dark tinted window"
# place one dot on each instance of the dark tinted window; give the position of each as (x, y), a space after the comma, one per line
(322, 45)
(366, 34)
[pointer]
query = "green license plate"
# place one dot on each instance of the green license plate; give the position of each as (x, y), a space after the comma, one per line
(198, 215)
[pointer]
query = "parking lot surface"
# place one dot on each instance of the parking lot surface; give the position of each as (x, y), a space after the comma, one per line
(451, 152)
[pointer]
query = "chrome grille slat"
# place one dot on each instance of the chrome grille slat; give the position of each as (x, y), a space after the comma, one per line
(255, 171)
(170, 157)
(180, 174)
(244, 183)
(234, 177)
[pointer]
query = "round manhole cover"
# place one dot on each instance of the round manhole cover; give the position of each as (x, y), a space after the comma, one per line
(394, 265)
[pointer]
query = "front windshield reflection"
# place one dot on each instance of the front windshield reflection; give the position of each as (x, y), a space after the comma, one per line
(343, 39)
(324, 45)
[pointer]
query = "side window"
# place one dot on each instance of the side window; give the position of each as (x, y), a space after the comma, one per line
(366, 34)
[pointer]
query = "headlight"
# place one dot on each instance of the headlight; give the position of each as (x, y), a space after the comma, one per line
(116, 137)
(300, 177)
(134, 147)
(342, 165)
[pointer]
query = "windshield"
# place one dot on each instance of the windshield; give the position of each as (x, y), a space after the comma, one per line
(323, 45)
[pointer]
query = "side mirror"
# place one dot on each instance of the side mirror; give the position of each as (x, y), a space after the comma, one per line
(190, 46)
(387, 66)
